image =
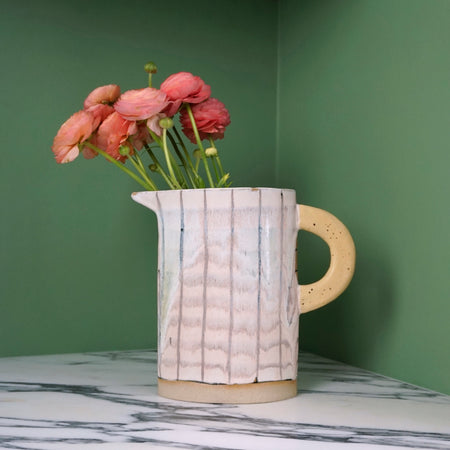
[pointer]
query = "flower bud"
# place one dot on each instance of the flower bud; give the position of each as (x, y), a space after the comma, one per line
(197, 153)
(166, 122)
(150, 67)
(153, 167)
(211, 151)
(124, 150)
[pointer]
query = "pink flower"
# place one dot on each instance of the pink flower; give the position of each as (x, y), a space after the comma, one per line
(184, 87)
(142, 136)
(88, 153)
(98, 103)
(100, 113)
(141, 104)
(74, 131)
(103, 95)
(113, 133)
(211, 118)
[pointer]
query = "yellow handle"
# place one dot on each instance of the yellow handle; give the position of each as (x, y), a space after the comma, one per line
(342, 262)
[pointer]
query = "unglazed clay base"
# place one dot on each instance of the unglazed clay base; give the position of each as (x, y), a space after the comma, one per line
(191, 391)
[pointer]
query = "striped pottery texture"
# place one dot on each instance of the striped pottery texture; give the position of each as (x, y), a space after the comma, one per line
(227, 287)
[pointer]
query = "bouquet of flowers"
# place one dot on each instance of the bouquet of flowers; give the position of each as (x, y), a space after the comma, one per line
(123, 126)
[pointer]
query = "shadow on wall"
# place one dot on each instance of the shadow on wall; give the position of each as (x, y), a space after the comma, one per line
(355, 327)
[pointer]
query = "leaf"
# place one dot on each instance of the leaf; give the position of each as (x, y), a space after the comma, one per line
(223, 181)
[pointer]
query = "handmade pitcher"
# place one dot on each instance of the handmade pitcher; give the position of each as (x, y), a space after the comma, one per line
(228, 295)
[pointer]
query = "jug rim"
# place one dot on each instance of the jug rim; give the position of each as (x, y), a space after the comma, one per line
(240, 188)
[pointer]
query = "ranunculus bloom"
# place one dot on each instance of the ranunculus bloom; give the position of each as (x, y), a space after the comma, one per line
(184, 87)
(211, 118)
(98, 103)
(88, 153)
(74, 131)
(102, 95)
(142, 136)
(112, 133)
(100, 113)
(141, 104)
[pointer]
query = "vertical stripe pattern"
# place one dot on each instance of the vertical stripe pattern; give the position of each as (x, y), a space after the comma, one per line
(258, 304)
(230, 328)
(205, 279)
(228, 310)
(161, 269)
(180, 310)
(280, 295)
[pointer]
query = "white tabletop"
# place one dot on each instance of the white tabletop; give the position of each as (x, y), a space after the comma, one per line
(109, 401)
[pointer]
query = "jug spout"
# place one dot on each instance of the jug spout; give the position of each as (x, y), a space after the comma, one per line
(146, 198)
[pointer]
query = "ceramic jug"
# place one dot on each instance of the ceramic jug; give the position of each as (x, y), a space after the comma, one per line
(228, 295)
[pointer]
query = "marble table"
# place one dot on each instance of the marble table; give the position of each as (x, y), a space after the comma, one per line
(109, 401)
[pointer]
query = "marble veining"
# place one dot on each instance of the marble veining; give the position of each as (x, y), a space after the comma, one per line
(109, 401)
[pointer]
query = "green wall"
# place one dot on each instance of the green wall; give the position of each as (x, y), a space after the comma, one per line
(345, 101)
(78, 256)
(364, 133)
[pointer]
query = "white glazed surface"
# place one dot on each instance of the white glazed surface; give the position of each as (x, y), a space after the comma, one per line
(109, 401)
(227, 288)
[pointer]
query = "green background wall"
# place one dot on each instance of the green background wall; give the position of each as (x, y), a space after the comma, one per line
(345, 101)
(78, 259)
(364, 105)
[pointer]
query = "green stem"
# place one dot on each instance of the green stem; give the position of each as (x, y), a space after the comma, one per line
(197, 178)
(222, 172)
(155, 137)
(160, 170)
(215, 169)
(188, 157)
(199, 143)
(183, 161)
(141, 170)
(178, 173)
(160, 142)
(168, 161)
(159, 167)
(139, 161)
(121, 166)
